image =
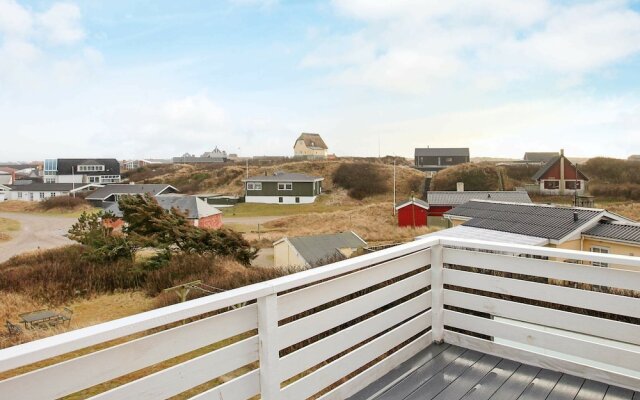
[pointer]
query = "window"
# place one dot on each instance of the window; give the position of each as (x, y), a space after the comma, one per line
(571, 185)
(297, 199)
(254, 185)
(49, 180)
(94, 179)
(109, 178)
(42, 195)
(280, 200)
(19, 195)
(601, 250)
(285, 186)
(448, 159)
(90, 168)
(52, 194)
(552, 184)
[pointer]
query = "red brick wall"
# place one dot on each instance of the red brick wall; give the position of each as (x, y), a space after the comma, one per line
(211, 222)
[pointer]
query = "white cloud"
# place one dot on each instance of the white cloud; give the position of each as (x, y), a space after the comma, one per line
(61, 23)
(14, 19)
(414, 45)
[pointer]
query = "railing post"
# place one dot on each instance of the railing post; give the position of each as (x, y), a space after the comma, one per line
(437, 294)
(268, 347)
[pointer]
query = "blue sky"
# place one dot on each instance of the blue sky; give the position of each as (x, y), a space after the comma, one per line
(160, 78)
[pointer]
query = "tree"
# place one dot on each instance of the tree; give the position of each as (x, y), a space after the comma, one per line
(100, 239)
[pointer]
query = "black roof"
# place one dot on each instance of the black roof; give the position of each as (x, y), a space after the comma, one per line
(47, 187)
(123, 188)
(443, 151)
(69, 166)
(284, 177)
(535, 156)
(616, 231)
(538, 220)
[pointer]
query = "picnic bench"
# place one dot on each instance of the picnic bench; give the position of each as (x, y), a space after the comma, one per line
(45, 318)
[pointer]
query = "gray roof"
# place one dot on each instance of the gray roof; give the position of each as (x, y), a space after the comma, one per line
(469, 232)
(537, 220)
(455, 198)
(539, 156)
(109, 190)
(418, 202)
(322, 247)
(443, 151)
(616, 231)
(284, 177)
(48, 187)
(194, 207)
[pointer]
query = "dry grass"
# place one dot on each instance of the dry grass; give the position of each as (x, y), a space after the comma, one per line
(375, 223)
(34, 208)
(6, 227)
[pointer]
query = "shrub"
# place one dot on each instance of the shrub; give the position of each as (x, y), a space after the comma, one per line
(63, 202)
(481, 176)
(611, 170)
(361, 179)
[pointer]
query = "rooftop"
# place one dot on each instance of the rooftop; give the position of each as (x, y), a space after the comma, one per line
(145, 188)
(192, 206)
(442, 151)
(316, 248)
(313, 141)
(455, 198)
(615, 231)
(539, 156)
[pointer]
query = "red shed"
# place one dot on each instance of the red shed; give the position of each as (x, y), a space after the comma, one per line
(412, 213)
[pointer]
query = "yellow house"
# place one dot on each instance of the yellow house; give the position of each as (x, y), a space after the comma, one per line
(315, 250)
(310, 145)
(572, 228)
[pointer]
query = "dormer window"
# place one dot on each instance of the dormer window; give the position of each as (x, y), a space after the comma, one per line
(90, 168)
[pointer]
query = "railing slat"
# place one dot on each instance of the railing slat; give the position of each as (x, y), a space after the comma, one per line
(313, 296)
(177, 379)
(547, 269)
(601, 327)
(311, 325)
(317, 352)
(370, 375)
(119, 360)
(607, 354)
(240, 388)
(604, 302)
(541, 360)
(334, 371)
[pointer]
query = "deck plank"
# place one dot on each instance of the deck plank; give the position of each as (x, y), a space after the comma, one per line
(616, 393)
(517, 383)
(592, 390)
(469, 378)
(541, 385)
(492, 381)
(567, 388)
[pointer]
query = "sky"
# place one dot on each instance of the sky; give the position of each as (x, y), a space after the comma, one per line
(156, 79)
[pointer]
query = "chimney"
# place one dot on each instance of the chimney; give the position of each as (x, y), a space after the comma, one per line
(562, 152)
(562, 183)
(575, 216)
(460, 186)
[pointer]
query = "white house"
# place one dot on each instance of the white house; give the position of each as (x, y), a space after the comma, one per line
(82, 170)
(43, 191)
(283, 188)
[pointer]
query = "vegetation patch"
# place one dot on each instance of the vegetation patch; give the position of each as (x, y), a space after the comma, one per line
(6, 227)
(361, 179)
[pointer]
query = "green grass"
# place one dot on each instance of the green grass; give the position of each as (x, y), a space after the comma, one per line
(268, 210)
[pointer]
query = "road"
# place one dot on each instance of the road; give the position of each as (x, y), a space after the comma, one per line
(37, 231)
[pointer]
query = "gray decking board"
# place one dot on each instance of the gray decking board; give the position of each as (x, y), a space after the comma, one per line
(445, 372)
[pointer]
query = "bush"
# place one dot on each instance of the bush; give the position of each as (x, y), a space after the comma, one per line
(361, 180)
(612, 170)
(480, 176)
(630, 191)
(63, 202)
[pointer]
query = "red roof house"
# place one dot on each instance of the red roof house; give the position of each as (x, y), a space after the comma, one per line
(412, 213)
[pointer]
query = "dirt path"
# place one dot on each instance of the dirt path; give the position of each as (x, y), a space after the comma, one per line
(36, 232)
(249, 220)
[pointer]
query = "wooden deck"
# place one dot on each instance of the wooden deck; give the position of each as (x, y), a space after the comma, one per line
(447, 372)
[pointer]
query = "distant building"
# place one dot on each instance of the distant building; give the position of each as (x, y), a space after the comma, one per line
(214, 156)
(82, 170)
(559, 176)
(135, 164)
(7, 176)
(432, 160)
(43, 191)
(196, 210)
(316, 250)
(283, 188)
(311, 146)
(635, 157)
(442, 201)
(538, 157)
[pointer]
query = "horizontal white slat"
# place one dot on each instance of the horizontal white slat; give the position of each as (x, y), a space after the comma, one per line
(182, 377)
(321, 350)
(52, 346)
(547, 269)
(605, 328)
(313, 296)
(541, 360)
(578, 347)
(377, 371)
(540, 251)
(110, 363)
(539, 291)
(338, 369)
(240, 388)
(314, 324)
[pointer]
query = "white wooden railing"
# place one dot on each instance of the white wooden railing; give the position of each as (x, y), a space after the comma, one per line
(330, 331)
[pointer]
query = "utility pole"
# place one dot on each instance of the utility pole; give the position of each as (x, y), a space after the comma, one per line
(394, 185)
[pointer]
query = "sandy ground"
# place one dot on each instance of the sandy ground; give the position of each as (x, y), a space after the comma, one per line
(264, 258)
(36, 232)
